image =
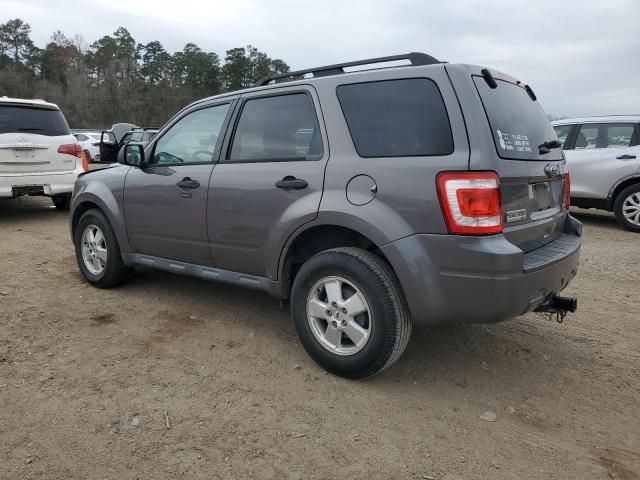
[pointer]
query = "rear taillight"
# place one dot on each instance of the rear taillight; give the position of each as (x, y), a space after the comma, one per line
(96, 144)
(470, 202)
(71, 149)
(567, 191)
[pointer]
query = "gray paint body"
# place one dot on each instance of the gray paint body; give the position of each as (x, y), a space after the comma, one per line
(238, 228)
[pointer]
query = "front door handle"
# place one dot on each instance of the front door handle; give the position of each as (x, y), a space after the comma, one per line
(626, 157)
(187, 183)
(292, 183)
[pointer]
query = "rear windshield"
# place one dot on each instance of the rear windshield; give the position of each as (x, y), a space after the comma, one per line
(15, 119)
(519, 125)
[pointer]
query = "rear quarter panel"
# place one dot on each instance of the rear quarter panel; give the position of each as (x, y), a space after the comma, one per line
(406, 201)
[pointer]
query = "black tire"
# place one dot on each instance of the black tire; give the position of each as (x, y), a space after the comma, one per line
(115, 271)
(618, 205)
(390, 320)
(62, 201)
(88, 156)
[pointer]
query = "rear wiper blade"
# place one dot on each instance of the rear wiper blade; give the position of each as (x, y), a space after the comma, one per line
(34, 129)
(547, 146)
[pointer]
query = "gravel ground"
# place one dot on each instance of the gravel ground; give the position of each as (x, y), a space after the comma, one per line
(171, 377)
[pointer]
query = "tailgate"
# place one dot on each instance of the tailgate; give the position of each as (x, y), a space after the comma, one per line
(533, 204)
(27, 153)
(532, 178)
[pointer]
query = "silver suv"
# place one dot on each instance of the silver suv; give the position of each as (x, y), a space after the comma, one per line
(428, 192)
(603, 156)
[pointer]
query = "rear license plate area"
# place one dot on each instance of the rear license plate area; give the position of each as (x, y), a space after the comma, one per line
(545, 195)
(24, 153)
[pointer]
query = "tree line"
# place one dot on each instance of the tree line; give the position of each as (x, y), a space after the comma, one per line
(116, 79)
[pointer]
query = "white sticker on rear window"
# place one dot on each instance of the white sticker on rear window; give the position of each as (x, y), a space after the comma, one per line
(514, 141)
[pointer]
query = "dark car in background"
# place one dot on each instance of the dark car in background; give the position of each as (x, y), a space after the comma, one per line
(120, 134)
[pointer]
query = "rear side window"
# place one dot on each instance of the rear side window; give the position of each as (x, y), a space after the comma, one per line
(518, 123)
(604, 135)
(279, 128)
(40, 121)
(396, 118)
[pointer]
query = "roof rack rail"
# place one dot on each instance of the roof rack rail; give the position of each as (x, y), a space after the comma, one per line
(416, 58)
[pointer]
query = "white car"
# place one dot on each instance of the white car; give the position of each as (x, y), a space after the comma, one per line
(38, 154)
(603, 156)
(90, 143)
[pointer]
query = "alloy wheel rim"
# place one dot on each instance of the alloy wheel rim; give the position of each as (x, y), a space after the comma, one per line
(631, 208)
(339, 316)
(94, 249)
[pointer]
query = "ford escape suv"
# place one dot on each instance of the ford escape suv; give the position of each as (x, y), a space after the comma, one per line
(38, 154)
(426, 192)
(603, 156)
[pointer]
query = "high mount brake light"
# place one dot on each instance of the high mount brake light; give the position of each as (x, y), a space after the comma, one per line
(470, 202)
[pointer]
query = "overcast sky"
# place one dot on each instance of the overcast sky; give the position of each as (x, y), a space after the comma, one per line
(582, 57)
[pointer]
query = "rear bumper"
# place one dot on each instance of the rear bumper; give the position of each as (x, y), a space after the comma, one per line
(457, 279)
(52, 183)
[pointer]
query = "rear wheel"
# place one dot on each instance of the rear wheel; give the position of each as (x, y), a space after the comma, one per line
(350, 313)
(97, 251)
(61, 201)
(627, 208)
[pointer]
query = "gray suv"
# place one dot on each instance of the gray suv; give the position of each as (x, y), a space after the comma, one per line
(427, 192)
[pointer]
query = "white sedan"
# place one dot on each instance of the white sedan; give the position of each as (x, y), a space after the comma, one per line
(90, 142)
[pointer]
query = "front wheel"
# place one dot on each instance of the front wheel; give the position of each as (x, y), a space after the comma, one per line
(350, 313)
(627, 208)
(97, 251)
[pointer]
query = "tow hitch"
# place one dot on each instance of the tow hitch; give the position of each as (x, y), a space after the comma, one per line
(557, 307)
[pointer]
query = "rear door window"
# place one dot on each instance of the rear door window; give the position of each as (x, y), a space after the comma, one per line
(39, 121)
(605, 135)
(518, 123)
(396, 118)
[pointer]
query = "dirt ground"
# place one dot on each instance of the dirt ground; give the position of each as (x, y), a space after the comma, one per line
(171, 377)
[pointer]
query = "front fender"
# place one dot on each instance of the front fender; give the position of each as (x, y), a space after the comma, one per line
(107, 194)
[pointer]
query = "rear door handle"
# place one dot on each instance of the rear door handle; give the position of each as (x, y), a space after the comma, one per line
(292, 183)
(187, 183)
(626, 157)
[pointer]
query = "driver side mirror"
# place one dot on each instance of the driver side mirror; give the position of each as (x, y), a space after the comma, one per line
(131, 154)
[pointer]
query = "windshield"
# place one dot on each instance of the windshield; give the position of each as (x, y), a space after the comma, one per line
(518, 123)
(40, 121)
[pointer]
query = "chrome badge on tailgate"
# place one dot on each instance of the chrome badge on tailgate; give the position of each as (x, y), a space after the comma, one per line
(516, 215)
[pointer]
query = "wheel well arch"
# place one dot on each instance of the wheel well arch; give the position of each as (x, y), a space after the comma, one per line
(620, 187)
(318, 239)
(78, 212)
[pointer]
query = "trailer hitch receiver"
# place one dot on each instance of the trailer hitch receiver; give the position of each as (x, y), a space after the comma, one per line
(557, 307)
